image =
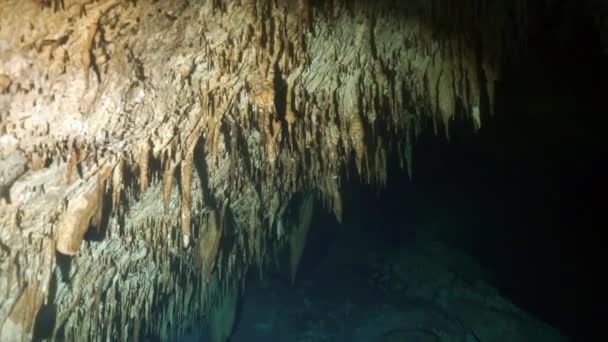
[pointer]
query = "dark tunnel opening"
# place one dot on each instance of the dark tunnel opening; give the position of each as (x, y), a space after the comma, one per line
(522, 195)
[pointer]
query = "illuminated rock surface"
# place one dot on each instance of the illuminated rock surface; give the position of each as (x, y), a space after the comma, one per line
(153, 152)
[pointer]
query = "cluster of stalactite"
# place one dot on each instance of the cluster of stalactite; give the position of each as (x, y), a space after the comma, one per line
(159, 146)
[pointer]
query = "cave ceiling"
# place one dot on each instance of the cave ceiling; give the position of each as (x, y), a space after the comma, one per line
(151, 152)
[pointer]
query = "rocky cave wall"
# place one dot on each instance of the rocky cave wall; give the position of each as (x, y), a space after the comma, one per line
(152, 151)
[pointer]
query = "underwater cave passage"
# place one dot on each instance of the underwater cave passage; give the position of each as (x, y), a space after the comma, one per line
(302, 171)
(496, 237)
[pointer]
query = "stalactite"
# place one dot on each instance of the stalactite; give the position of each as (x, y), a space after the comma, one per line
(117, 183)
(213, 127)
(72, 162)
(208, 244)
(186, 184)
(299, 235)
(144, 168)
(272, 145)
(337, 205)
(357, 135)
(168, 177)
(82, 210)
(290, 117)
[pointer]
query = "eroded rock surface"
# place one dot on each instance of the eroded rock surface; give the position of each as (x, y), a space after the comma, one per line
(159, 145)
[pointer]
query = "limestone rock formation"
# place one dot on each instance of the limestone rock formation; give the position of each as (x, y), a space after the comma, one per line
(147, 147)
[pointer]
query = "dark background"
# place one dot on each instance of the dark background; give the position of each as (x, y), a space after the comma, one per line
(527, 192)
